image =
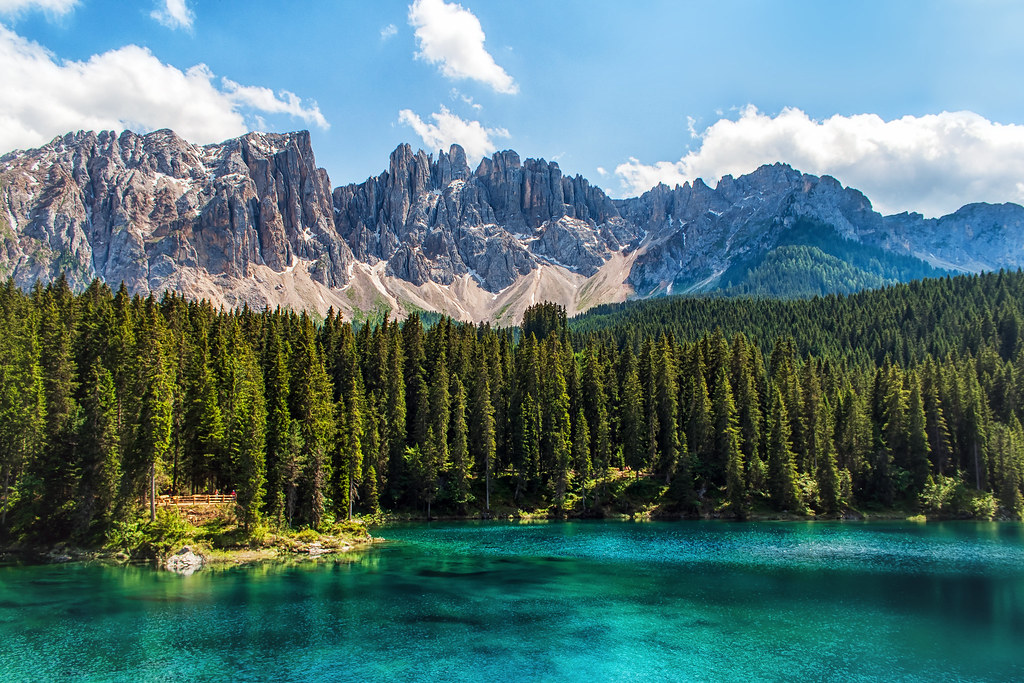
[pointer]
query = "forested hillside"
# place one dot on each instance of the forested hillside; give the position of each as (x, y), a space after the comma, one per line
(911, 395)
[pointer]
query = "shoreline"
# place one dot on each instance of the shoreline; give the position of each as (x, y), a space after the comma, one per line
(292, 551)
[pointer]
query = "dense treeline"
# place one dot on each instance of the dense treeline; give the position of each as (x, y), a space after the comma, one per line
(907, 322)
(106, 399)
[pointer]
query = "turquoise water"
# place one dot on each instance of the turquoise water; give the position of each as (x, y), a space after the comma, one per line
(581, 601)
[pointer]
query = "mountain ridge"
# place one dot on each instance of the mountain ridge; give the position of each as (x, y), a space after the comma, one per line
(253, 220)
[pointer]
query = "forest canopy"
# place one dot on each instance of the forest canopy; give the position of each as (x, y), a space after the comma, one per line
(906, 396)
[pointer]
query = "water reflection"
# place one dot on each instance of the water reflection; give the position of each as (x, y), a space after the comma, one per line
(598, 600)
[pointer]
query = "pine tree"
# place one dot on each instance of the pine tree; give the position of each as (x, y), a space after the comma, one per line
(313, 411)
(782, 474)
(748, 415)
(700, 429)
(394, 436)
(974, 440)
(279, 444)
(52, 476)
(482, 429)
(247, 448)
(595, 407)
(22, 405)
(727, 443)
(581, 454)
(204, 421)
(461, 461)
(154, 428)
(830, 486)
(938, 431)
(557, 426)
(632, 430)
(917, 438)
(666, 398)
(100, 449)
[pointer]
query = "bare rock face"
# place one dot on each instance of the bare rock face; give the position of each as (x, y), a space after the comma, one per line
(434, 220)
(255, 220)
(975, 237)
(138, 208)
(694, 233)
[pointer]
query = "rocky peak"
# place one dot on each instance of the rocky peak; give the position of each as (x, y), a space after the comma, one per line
(158, 212)
(139, 208)
(435, 220)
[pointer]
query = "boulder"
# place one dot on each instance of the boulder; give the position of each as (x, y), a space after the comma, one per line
(185, 562)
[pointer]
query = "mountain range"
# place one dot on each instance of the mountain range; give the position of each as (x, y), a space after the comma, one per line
(253, 221)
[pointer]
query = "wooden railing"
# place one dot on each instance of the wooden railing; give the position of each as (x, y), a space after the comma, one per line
(205, 499)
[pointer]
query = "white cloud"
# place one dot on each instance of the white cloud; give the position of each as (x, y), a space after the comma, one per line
(448, 128)
(451, 36)
(174, 14)
(388, 31)
(456, 95)
(125, 88)
(933, 164)
(265, 100)
(54, 7)
(601, 171)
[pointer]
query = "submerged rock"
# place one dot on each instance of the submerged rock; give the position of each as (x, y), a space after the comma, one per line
(185, 562)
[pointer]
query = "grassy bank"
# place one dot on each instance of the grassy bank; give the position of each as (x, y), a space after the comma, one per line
(213, 532)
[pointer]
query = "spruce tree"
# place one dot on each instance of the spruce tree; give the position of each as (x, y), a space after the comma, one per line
(247, 448)
(461, 461)
(666, 398)
(279, 445)
(917, 437)
(100, 449)
(633, 430)
(313, 412)
(782, 474)
(482, 429)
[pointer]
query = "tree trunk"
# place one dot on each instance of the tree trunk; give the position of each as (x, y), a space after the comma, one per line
(488, 495)
(7, 493)
(152, 492)
(351, 495)
(977, 472)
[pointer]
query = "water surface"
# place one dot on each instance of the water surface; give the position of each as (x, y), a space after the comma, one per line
(549, 601)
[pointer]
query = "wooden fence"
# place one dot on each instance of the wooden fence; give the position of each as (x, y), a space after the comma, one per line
(205, 499)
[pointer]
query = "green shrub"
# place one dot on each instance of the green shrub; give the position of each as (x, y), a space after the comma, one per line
(126, 536)
(938, 493)
(307, 535)
(168, 531)
(982, 505)
(258, 534)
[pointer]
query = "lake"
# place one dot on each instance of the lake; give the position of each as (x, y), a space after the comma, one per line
(587, 601)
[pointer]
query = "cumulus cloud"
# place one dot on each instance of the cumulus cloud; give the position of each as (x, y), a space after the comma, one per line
(448, 128)
(54, 7)
(174, 14)
(450, 36)
(125, 88)
(933, 164)
(266, 100)
(388, 31)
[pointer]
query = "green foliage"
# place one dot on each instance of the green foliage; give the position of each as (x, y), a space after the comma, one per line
(543, 319)
(812, 259)
(909, 396)
(126, 536)
(167, 532)
(802, 271)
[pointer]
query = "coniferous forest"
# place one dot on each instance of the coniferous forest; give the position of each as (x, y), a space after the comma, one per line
(909, 397)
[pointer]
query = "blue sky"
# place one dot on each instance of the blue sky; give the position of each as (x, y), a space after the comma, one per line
(918, 103)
